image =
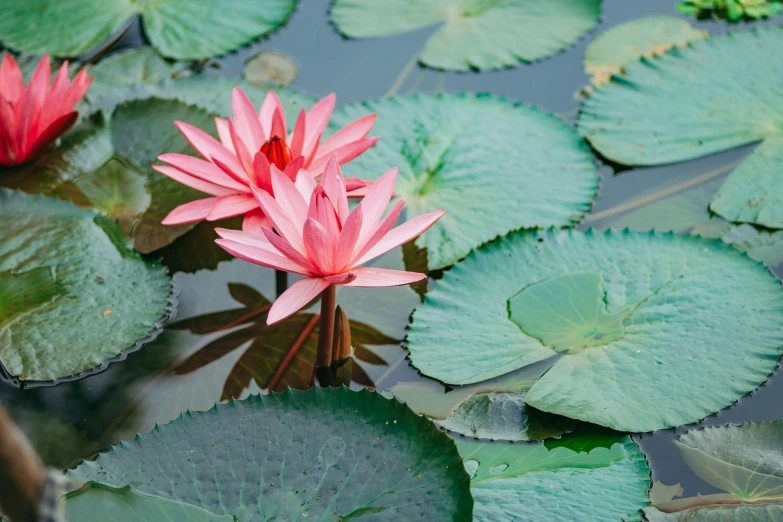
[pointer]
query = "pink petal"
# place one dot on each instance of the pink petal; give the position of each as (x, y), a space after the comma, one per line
(348, 237)
(224, 134)
(293, 299)
(401, 235)
(298, 135)
(320, 246)
(78, 88)
(255, 221)
(268, 107)
(373, 277)
(190, 212)
(354, 131)
(8, 144)
(202, 169)
(327, 217)
(279, 219)
(294, 167)
(375, 203)
(209, 147)
(259, 256)
(356, 184)
(383, 228)
(278, 124)
(289, 198)
(344, 154)
(334, 186)
(30, 105)
(305, 184)
(230, 206)
(11, 81)
(193, 182)
(247, 238)
(285, 248)
(261, 167)
(246, 118)
(56, 129)
(242, 153)
(316, 122)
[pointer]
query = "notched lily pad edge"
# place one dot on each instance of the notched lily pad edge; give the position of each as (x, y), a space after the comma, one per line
(472, 69)
(172, 302)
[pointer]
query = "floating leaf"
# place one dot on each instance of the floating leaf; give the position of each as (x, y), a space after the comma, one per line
(474, 34)
(111, 297)
(696, 101)
(732, 10)
(21, 292)
(623, 44)
(96, 502)
(447, 148)
(322, 453)
(531, 482)
(759, 512)
(271, 67)
(180, 29)
(763, 246)
(644, 324)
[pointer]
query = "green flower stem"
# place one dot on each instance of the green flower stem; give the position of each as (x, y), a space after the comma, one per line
(326, 328)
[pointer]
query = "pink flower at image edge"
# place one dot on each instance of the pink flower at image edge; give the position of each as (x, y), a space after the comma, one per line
(250, 144)
(316, 235)
(33, 117)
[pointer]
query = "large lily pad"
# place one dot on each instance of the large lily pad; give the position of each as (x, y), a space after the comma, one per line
(583, 477)
(494, 165)
(108, 297)
(717, 94)
(181, 29)
(623, 44)
(322, 453)
(477, 34)
(653, 330)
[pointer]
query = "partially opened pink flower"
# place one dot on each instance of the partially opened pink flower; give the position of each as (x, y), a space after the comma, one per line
(315, 235)
(32, 117)
(249, 145)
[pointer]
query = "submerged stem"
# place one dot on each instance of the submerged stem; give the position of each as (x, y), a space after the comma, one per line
(326, 328)
(399, 81)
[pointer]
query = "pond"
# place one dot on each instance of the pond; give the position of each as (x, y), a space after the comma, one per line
(218, 346)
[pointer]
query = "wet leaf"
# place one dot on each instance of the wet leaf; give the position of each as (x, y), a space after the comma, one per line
(732, 10)
(473, 34)
(444, 145)
(196, 250)
(531, 482)
(763, 246)
(96, 502)
(696, 101)
(180, 29)
(22, 292)
(361, 455)
(110, 296)
(643, 323)
(757, 512)
(624, 44)
(271, 68)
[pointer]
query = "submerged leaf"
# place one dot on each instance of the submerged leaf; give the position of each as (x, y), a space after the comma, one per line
(446, 147)
(643, 323)
(321, 454)
(271, 67)
(479, 34)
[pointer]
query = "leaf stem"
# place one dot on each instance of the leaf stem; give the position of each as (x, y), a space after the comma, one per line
(326, 329)
(399, 81)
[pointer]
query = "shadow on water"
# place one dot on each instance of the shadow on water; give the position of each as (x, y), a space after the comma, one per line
(220, 346)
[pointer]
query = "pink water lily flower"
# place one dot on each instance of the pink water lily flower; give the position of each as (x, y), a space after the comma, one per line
(315, 235)
(33, 117)
(250, 144)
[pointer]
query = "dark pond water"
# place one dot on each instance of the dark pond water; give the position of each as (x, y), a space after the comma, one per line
(219, 346)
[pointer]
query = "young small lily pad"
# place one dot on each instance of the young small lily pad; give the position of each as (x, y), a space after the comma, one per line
(642, 323)
(476, 34)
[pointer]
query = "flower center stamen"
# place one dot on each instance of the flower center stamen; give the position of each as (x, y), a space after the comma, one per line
(277, 152)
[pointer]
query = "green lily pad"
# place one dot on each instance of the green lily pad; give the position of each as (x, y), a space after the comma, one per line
(25, 291)
(180, 29)
(623, 44)
(579, 479)
(96, 502)
(697, 101)
(110, 297)
(494, 165)
(321, 453)
(477, 34)
(763, 246)
(651, 330)
(760, 512)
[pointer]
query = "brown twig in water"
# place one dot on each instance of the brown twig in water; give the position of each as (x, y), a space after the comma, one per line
(289, 356)
(21, 473)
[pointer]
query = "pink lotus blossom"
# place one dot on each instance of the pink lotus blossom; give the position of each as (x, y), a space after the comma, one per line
(32, 117)
(249, 145)
(315, 235)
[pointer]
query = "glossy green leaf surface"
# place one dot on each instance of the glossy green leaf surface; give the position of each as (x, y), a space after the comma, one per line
(717, 94)
(22, 292)
(578, 480)
(96, 502)
(494, 165)
(760, 512)
(321, 453)
(696, 315)
(110, 296)
(473, 34)
(180, 29)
